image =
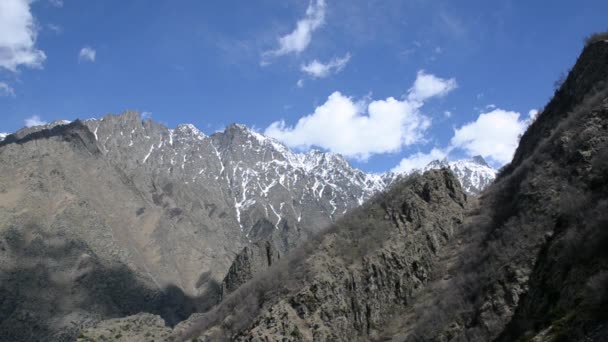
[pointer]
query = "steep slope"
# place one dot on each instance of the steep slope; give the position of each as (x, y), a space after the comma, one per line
(345, 283)
(71, 246)
(533, 265)
(256, 183)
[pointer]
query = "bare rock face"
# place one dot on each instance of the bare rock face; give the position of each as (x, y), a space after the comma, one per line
(346, 283)
(350, 299)
(252, 260)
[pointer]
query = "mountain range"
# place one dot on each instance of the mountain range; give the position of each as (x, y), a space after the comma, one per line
(122, 229)
(176, 206)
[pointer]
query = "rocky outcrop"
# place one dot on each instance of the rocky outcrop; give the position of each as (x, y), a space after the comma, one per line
(474, 174)
(347, 283)
(252, 260)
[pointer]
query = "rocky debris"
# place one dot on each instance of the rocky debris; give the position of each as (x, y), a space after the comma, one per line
(142, 327)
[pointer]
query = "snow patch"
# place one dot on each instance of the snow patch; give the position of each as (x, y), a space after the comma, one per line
(149, 153)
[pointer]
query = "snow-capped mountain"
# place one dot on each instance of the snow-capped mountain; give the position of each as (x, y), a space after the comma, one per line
(177, 205)
(244, 179)
(254, 182)
(3, 135)
(474, 174)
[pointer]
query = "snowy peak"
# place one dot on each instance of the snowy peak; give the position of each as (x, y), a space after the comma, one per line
(479, 160)
(190, 130)
(474, 174)
(3, 136)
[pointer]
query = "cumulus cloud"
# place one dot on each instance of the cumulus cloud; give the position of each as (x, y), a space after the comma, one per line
(300, 83)
(316, 69)
(358, 129)
(419, 160)
(494, 135)
(427, 86)
(6, 90)
(18, 34)
(34, 121)
(87, 54)
(299, 39)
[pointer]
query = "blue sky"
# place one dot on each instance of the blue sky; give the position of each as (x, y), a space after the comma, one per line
(395, 83)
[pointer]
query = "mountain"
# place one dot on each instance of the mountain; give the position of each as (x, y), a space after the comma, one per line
(122, 207)
(174, 213)
(526, 261)
(3, 135)
(474, 174)
(175, 209)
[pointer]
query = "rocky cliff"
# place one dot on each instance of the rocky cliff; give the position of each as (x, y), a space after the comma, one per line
(345, 283)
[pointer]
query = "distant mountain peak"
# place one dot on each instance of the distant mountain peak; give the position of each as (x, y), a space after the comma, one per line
(479, 160)
(474, 174)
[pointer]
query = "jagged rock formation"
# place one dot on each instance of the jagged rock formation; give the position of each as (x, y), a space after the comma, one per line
(345, 283)
(252, 260)
(474, 174)
(351, 296)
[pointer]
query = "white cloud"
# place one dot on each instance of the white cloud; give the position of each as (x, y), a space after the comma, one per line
(532, 114)
(419, 160)
(494, 135)
(56, 3)
(18, 34)
(55, 28)
(316, 69)
(34, 121)
(300, 83)
(6, 90)
(299, 39)
(146, 115)
(87, 54)
(358, 129)
(447, 114)
(427, 86)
